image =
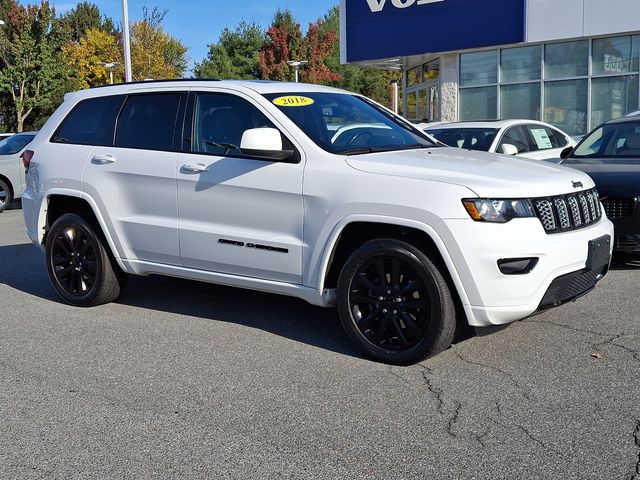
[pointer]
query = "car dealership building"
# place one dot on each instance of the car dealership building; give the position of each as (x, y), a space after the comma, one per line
(571, 63)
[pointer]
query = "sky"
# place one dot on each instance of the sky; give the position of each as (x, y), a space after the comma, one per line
(197, 23)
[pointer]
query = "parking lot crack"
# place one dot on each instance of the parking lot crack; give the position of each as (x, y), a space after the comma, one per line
(571, 327)
(454, 419)
(512, 379)
(636, 437)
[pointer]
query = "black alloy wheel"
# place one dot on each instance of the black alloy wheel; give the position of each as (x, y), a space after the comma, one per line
(394, 303)
(5, 195)
(79, 266)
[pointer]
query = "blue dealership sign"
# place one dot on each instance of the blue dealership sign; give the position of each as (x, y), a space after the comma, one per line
(379, 29)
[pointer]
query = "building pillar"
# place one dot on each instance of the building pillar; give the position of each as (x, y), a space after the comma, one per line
(449, 82)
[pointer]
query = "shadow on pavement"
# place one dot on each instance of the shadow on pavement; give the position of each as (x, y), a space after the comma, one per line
(22, 267)
(625, 261)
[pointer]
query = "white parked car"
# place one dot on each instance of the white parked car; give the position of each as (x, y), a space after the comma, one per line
(240, 183)
(12, 181)
(524, 138)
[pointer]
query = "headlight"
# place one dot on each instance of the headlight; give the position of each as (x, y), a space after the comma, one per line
(498, 211)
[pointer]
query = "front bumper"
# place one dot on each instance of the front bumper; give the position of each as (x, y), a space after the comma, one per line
(496, 298)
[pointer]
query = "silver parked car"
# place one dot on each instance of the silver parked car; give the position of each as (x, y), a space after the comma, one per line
(12, 180)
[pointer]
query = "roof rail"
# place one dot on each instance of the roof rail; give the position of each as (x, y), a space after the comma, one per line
(143, 82)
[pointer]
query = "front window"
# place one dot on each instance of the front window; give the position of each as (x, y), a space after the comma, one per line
(467, 138)
(15, 143)
(348, 124)
(612, 143)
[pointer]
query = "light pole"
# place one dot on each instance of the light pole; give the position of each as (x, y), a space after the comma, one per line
(127, 42)
(297, 64)
(110, 66)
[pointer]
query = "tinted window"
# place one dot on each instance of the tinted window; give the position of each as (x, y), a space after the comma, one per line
(221, 120)
(148, 122)
(15, 143)
(545, 138)
(467, 138)
(91, 122)
(516, 136)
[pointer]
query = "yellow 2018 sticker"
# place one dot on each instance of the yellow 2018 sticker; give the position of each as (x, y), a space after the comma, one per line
(293, 101)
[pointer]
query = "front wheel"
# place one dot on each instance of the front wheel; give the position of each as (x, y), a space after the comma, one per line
(78, 264)
(5, 195)
(394, 303)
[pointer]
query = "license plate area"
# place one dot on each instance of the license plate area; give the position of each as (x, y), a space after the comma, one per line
(599, 256)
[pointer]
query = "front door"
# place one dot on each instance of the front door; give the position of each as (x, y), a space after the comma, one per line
(237, 215)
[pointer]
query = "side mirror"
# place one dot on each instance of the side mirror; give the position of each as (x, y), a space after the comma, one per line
(264, 144)
(509, 149)
(566, 152)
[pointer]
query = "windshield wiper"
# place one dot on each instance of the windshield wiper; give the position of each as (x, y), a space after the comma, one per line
(228, 146)
(363, 150)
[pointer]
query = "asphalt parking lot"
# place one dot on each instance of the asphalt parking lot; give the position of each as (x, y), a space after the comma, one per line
(186, 380)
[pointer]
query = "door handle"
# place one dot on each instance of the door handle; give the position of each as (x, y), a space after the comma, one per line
(194, 168)
(103, 160)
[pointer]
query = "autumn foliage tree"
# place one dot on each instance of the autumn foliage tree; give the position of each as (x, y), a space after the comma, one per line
(283, 44)
(154, 53)
(32, 74)
(87, 57)
(316, 47)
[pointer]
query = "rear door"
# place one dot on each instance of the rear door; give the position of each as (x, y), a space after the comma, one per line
(134, 179)
(545, 142)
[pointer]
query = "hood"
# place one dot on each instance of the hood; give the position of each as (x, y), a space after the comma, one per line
(488, 175)
(613, 179)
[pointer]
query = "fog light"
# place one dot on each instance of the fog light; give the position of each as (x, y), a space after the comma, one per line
(517, 266)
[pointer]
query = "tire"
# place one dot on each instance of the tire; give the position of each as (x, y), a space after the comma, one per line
(5, 195)
(80, 268)
(394, 303)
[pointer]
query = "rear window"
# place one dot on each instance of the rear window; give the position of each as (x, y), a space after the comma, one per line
(91, 122)
(15, 143)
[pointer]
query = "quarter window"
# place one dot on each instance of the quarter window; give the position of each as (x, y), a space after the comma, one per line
(148, 122)
(91, 122)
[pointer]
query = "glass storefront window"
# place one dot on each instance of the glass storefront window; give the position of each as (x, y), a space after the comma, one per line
(479, 68)
(613, 97)
(478, 103)
(521, 64)
(411, 105)
(615, 55)
(431, 70)
(422, 104)
(414, 76)
(520, 101)
(565, 105)
(568, 59)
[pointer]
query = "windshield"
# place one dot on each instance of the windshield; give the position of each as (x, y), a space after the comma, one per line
(610, 143)
(467, 138)
(15, 143)
(348, 124)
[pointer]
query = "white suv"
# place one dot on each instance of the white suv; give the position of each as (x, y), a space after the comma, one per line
(310, 192)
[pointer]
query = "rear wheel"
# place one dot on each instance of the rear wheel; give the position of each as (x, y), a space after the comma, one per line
(394, 303)
(5, 195)
(78, 264)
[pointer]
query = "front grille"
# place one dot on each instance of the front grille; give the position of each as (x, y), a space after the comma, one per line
(568, 212)
(619, 208)
(568, 287)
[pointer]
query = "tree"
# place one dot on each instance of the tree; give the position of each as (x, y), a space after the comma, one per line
(86, 57)
(235, 56)
(32, 74)
(318, 44)
(154, 53)
(86, 16)
(282, 45)
(373, 83)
